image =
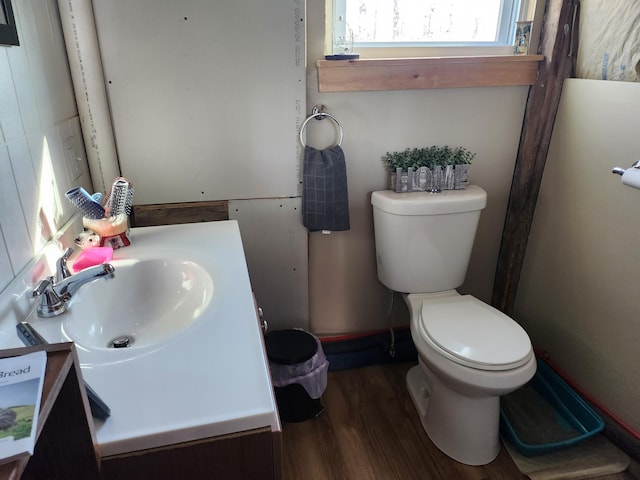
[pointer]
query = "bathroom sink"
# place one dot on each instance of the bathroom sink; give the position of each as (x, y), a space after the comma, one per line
(182, 297)
(147, 302)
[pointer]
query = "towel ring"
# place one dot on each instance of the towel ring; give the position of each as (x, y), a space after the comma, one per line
(321, 116)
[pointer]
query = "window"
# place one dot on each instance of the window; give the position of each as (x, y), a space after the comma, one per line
(370, 25)
(8, 31)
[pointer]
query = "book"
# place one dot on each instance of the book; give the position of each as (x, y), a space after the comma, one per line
(21, 381)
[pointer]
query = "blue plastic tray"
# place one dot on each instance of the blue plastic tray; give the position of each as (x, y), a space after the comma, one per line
(546, 414)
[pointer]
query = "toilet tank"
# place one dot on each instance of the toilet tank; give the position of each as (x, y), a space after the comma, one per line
(424, 240)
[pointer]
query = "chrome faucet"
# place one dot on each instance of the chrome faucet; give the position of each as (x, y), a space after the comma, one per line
(62, 270)
(56, 293)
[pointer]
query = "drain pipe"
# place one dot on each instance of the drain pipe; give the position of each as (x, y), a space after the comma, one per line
(81, 41)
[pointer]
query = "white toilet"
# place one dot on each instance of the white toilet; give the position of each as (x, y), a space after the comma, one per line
(469, 353)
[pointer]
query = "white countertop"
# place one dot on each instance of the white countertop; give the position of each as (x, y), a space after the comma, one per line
(211, 379)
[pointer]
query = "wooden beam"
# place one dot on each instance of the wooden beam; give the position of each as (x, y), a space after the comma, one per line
(177, 213)
(558, 45)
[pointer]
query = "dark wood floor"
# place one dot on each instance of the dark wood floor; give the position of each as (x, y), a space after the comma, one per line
(370, 431)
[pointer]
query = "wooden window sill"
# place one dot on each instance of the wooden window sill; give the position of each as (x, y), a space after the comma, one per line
(433, 72)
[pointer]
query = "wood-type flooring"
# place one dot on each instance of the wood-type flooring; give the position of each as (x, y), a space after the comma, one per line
(371, 431)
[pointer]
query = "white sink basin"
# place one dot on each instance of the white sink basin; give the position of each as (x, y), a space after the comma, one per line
(147, 302)
(183, 295)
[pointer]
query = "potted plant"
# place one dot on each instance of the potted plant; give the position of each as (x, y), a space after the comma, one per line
(428, 168)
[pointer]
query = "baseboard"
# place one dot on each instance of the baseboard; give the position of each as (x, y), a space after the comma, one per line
(369, 350)
(622, 439)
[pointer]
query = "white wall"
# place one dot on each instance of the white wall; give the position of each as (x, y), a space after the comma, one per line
(578, 296)
(345, 295)
(41, 149)
(206, 99)
(205, 96)
(204, 106)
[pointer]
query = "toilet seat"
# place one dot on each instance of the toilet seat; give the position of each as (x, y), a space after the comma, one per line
(474, 334)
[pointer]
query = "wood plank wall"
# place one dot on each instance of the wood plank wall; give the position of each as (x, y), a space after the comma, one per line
(177, 213)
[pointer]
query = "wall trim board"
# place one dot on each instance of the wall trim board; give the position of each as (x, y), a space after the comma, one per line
(177, 213)
(432, 72)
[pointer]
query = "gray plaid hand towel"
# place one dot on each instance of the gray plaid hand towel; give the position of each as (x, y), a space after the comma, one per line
(325, 201)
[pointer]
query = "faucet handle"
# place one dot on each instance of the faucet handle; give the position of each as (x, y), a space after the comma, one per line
(50, 303)
(42, 287)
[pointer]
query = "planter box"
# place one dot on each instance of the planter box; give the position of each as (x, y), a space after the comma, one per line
(423, 179)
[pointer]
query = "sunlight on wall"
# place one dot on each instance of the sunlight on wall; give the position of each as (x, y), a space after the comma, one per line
(51, 211)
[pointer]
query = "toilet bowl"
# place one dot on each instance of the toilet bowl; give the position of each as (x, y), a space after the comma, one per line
(465, 365)
(469, 353)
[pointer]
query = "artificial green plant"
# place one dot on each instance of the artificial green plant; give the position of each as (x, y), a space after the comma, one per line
(429, 157)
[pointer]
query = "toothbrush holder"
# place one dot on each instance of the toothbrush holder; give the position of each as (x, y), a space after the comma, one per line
(113, 231)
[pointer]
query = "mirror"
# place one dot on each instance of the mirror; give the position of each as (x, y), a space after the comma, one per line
(8, 30)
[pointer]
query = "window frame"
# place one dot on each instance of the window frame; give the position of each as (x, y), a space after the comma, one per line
(8, 30)
(433, 67)
(509, 14)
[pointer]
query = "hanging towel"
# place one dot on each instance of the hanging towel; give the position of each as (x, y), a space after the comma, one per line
(325, 201)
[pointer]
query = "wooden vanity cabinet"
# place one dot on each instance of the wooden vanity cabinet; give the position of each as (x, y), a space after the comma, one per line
(251, 455)
(64, 446)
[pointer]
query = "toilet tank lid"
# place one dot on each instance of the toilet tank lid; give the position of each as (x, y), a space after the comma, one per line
(424, 203)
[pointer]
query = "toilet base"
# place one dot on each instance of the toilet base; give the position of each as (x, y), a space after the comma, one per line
(464, 428)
